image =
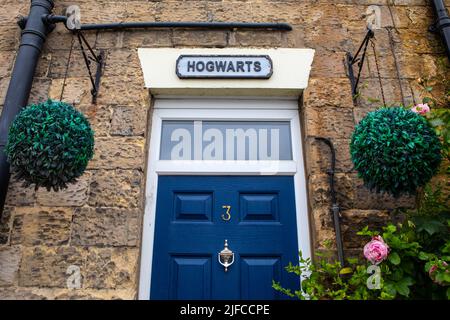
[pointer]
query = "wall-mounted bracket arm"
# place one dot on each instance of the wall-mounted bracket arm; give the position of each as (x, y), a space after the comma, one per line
(358, 59)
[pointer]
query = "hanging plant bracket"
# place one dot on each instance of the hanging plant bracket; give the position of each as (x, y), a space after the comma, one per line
(359, 59)
(98, 59)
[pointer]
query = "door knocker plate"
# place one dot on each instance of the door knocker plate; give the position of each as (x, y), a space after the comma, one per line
(226, 257)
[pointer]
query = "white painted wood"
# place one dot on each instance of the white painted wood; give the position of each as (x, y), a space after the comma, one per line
(291, 69)
(195, 109)
(209, 167)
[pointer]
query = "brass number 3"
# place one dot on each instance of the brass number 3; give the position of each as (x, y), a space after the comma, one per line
(227, 215)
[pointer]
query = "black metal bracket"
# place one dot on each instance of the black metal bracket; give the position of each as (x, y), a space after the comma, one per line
(99, 60)
(352, 60)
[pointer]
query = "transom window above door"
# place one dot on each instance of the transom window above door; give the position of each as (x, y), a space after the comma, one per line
(226, 140)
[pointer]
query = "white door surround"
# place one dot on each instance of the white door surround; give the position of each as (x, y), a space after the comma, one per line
(223, 99)
(224, 109)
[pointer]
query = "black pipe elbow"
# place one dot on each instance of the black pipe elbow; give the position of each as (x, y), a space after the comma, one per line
(442, 24)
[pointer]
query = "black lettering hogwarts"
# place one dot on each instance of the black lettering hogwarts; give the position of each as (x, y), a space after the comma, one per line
(221, 66)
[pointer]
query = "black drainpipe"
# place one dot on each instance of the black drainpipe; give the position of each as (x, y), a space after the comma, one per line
(31, 43)
(335, 209)
(442, 23)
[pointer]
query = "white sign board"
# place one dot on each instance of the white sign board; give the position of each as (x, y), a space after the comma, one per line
(224, 66)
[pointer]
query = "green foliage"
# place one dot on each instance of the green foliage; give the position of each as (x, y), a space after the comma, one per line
(324, 280)
(50, 145)
(436, 93)
(395, 151)
(439, 120)
(414, 250)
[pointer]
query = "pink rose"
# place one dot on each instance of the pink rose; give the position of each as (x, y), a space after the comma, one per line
(421, 108)
(433, 270)
(376, 250)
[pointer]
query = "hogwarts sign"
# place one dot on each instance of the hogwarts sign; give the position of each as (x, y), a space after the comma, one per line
(224, 66)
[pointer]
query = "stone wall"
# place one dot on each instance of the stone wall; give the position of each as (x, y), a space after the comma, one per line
(96, 223)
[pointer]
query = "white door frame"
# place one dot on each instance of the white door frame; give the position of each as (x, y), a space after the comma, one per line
(221, 109)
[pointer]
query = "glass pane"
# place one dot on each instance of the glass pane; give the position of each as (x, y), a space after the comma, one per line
(226, 140)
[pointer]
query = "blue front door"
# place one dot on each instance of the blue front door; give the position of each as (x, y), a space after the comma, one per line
(194, 217)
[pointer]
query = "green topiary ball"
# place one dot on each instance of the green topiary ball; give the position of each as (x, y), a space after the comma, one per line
(50, 145)
(394, 150)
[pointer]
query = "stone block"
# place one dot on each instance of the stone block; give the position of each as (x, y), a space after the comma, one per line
(92, 294)
(322, 93)
(6, 63)
(116, 188)
(5, 224)
(142, 39)
(327, 65)
(105, 227)
(17, 293)
(4, 83)
(413, 17)
(76, 90)
(48, 266)
(319, 156)
(129, 121)
(123, 62)
(182, 11)
(257, 39)
(421, 43)
(99, 117)
(18, 195)
(41, 226)
(121, 153)
(195, 38)
(108, 39)
(71, 62)
(414, 66)
(113, 91)
(354, 221)
(229, 11)
(371, 93)
(141, 11)
(75, 195)
(319, 190)
(329, 122)
(327, 37)
(10, 35)
(111, 268)
(9, 265)
(40, 90)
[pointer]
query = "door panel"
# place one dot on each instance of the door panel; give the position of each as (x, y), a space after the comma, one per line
(257, 275)
(193, 206)
(259, 207)
(192, 224)
(190, 278)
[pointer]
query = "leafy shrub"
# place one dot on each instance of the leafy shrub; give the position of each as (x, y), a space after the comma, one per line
(50, 145)
(395, 151)
(417, 267)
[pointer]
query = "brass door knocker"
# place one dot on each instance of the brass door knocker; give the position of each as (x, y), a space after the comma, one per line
(226, 257)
